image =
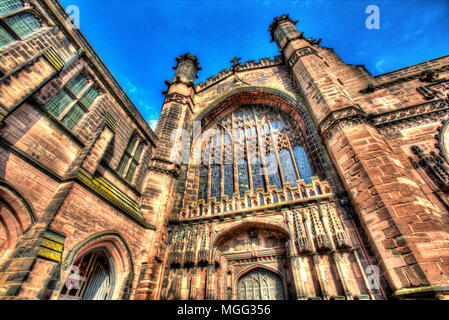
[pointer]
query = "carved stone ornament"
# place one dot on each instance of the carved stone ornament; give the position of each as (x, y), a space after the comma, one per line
(443, 140)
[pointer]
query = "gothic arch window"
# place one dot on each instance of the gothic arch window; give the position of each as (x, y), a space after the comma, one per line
(17, 22)
(73, 101)
(260, 284)
(253, 148)
(91, 278)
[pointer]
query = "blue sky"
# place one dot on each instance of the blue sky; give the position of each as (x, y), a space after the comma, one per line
(139, 40)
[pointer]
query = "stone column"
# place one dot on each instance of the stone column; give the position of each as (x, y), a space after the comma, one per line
(160, 186)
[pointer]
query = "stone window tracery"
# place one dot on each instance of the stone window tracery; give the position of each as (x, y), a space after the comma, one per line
(260, 284)
(253, 148)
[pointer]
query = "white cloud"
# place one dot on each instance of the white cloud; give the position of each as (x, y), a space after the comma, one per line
(380, 65)
(152, 123)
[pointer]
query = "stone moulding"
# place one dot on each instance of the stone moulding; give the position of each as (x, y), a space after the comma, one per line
(51, 246)
(253, 210)
(165, 167)
(443, 140)
(419, 290)
(403, 116)
(341, 115)
(373, 87)
(431, 111)
(298, 53)
(249, 65)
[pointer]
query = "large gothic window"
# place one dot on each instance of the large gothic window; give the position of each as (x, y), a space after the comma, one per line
(255, 148)
(260, 284)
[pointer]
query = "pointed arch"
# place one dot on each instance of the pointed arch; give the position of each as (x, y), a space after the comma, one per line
(120, 255)
(16, 218)
(247, 224)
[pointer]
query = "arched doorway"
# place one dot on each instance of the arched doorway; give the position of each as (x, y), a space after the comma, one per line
(91, 278)
(16, 218)
(260, 284)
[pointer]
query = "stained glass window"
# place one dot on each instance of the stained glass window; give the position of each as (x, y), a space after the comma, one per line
(274, 177)
(247, 156)
(204, 176)
(287, 167)
(303, 164)
(257, 174)
(242, 167)
(228, 180)
(215, 183)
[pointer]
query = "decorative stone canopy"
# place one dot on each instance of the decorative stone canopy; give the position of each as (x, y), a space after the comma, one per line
(188, 56)
(278, 20)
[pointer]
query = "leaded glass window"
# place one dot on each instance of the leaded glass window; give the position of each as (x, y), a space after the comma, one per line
(89, 97)
(73, 116)
(215, 187)
(19, 23)
(204, 177)
(59, 103)
(257, 174)
(287, 167)
(75, 96)
(78, 84)
(7, 6)
(274, 177)
(5, 37)
(228, 184)
(23, 24)
(303, 164)
(130, 159)
(243, 177)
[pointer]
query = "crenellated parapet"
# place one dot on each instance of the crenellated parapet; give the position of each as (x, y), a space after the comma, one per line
(247, 66)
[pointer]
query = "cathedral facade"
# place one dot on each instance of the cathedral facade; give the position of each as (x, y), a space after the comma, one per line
(295, 177)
